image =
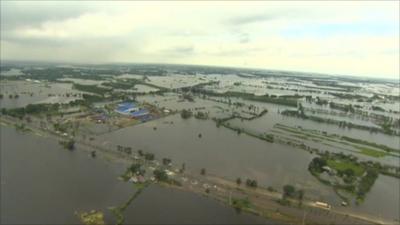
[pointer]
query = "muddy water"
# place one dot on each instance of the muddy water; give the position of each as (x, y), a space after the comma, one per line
(383, 200)
(176, 207)
(42, 183)
(266, 123)
(225, 153)
(40, 93)
(221, 152)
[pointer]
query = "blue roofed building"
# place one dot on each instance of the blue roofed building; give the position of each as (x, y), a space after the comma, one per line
(131, 109)
(126, 108)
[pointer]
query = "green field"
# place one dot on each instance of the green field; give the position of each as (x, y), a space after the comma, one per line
(371, 152)
(343, 165)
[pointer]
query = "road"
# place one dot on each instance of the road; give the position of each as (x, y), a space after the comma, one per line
(264, 202)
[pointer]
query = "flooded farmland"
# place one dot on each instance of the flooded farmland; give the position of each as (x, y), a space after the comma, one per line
(265, 133)
(44, 182)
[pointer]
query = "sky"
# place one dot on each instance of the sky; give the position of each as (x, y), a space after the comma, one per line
(359, 38)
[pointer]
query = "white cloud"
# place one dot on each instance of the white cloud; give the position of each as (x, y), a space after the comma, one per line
(218, 33)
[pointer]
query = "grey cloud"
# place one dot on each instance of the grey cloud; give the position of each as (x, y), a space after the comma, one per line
(21, 14)
(244, 38)
(267, 16)
(250, 19)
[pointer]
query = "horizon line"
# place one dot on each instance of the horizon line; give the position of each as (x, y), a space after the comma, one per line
(203, 65)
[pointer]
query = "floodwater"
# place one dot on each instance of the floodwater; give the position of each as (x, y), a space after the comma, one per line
(225, 153)
(266, 123)
(30, 92)
(42, 183)
(221, 152)
(191, 208)
(383, 199)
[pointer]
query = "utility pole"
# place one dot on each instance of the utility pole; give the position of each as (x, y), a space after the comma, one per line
(304, 217)
(230, 197)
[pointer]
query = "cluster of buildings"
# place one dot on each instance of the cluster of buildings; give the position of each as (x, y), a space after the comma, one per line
(126, 109)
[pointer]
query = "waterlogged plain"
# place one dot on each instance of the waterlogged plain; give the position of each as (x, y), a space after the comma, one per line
(267, 122)
(54, 184)
(226, 138)
(221, 152)
(21, 93)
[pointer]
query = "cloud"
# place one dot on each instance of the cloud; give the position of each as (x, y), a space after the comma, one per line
(26, 14)
(251, 19)
(319, 37)
(244, 38)
(179, 51)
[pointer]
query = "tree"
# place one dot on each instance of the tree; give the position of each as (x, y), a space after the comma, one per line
(128, 150)
(316, 164)
(160, 175)
(140, 152)
(70, 144)
(183, 168)
(349, 172)
(136, 168)
(203, 171)
(238, 181)
(149, 156)
(251, 183)
(186, 114)
(288, 191)
(166, 161)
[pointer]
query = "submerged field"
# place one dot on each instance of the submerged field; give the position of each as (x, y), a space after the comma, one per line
(267, 128)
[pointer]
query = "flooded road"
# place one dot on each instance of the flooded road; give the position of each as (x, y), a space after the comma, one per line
(42, 183)
(221, 152)
(225, 153)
